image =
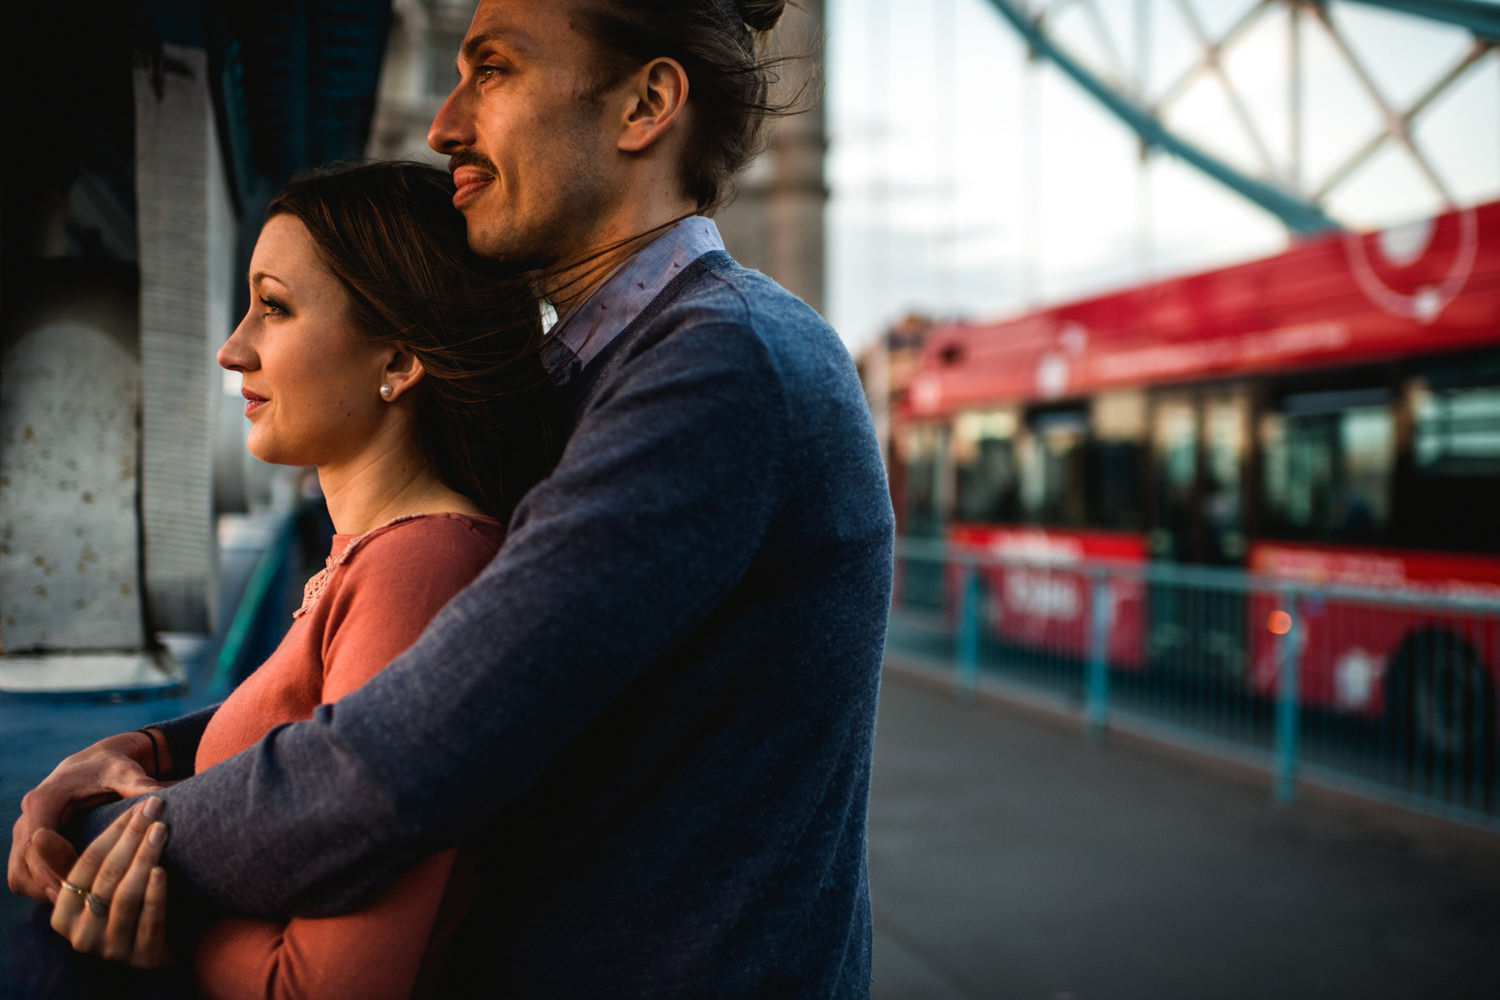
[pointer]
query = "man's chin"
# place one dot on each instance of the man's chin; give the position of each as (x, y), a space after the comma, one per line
(503, 249)
(486, 243)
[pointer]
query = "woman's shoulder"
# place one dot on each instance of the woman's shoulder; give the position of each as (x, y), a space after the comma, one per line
(417, 555)
(442, 537)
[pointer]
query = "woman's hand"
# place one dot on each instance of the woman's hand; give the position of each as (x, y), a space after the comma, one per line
(115, 767)
(114, 901)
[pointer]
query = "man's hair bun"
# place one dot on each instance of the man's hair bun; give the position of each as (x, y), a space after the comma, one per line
(760, 15)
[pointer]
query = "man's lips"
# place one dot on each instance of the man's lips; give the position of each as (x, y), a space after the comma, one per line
(469, 181)
(253, 401)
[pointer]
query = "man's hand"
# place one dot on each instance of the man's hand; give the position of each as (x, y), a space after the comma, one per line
(115, 767)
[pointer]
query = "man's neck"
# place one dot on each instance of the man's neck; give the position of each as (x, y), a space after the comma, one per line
(597, 314)
(569, 282)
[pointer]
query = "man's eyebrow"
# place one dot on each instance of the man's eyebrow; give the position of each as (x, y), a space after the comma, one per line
(474, 43)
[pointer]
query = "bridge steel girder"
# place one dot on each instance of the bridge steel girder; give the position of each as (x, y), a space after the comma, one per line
(1296, 213)
(1480, 17)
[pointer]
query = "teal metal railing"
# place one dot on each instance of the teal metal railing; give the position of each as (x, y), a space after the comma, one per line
(260, 619)
(1384, 691)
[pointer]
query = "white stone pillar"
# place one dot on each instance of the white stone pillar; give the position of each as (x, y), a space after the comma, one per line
(69, 538)
(186, 231)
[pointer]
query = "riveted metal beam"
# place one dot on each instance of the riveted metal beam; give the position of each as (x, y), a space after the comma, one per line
(1480, 17)
(1296, 213)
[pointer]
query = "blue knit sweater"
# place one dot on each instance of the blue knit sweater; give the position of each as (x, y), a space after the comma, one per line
(656, 706)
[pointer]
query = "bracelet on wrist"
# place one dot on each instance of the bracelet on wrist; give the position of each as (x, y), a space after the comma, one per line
(155, 752)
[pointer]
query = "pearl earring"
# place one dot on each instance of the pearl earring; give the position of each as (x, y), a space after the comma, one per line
(385, 392)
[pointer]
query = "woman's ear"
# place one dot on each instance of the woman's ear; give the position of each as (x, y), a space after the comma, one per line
(657, 95)
(403, 371)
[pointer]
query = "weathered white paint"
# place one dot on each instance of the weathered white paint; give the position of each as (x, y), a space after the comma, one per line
(69, 536)
(93, 673)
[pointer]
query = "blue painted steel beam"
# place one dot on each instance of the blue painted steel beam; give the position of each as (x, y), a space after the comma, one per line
(1481, 17)
(1299, 215)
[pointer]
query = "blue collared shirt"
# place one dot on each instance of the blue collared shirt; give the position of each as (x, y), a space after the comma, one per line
(620, 297)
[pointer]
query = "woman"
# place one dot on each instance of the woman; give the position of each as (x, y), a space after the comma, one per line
(379, 349)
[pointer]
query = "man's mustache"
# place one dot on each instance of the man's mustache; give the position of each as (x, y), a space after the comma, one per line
(471, 158)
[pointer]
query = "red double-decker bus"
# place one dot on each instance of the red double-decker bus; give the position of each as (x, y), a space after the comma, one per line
(1330, 415)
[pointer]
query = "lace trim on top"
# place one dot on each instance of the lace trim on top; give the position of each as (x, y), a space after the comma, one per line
(318, 582)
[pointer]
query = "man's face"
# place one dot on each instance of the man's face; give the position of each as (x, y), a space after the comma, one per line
(532, 157)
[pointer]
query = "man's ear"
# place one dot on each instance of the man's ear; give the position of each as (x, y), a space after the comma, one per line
(655, 98)
(403, 371)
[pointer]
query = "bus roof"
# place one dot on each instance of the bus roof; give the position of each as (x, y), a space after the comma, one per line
(1424, 288)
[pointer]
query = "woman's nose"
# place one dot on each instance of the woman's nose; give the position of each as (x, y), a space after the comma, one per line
(235, 354)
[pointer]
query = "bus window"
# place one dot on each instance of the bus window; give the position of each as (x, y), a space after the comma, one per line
(1328, 462)
(1226, 416)
(1174, 452)
(1450, 498)
(1456, 430)
(1053, 486)
(926, 494)
(1119, 427)
(984, 464)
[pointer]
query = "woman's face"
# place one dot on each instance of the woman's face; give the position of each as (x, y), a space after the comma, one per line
(311, 384)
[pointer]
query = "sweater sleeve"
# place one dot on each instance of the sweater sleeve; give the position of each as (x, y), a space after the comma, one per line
(379, 603)
(182, 735)
(654, 512)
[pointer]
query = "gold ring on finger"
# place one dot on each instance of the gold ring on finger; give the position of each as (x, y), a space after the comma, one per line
(74, 889)
(98, 907)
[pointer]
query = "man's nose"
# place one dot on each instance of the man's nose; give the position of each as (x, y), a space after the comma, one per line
(451, 130)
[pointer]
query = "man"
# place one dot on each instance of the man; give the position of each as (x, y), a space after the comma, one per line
(658, 702)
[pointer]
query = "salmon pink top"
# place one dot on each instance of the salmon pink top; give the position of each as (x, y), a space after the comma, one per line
(375, 596)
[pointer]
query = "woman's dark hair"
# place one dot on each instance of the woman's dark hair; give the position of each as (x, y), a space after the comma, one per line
(729, 83)
(389, 233)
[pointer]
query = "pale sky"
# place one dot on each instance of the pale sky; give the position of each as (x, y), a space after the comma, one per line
(968, 183)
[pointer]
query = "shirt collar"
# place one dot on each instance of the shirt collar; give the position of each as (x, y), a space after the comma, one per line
(625, 293)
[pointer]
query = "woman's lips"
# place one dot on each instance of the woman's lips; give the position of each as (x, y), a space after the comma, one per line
(469, 181)
(253, 401)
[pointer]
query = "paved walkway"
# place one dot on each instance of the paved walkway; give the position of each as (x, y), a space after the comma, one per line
(1009, 859)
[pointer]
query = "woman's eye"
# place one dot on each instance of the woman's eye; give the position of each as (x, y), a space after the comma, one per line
(273, 308)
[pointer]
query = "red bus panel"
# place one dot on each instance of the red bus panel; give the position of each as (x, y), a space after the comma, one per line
(1044, 601)
(1337, 300)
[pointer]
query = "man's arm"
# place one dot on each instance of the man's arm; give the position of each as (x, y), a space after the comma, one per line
(653, 514)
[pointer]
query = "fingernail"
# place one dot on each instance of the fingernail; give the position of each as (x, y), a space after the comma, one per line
(153, 807)
(157, 835)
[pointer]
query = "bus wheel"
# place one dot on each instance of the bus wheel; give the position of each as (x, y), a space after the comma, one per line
(1443, 700)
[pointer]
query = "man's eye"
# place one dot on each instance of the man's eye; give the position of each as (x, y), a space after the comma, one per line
(485, 73)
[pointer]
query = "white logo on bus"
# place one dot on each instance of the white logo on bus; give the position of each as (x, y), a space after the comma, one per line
(1040, 594)
(1404, 246)
(1053, 368)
